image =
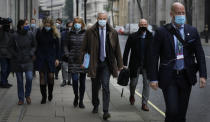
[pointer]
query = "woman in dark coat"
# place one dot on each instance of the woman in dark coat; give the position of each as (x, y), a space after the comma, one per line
(22, 48)
(47, 56)
(72, 48)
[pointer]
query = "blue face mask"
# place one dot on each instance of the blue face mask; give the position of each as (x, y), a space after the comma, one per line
(33, 25)
(77, 26)
(102, 23)
(47, 28)
(180, 19)
(26, 27)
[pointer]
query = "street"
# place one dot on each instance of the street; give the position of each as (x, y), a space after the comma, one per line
(199, 107)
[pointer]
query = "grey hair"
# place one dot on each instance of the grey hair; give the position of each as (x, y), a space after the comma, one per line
(102, 12)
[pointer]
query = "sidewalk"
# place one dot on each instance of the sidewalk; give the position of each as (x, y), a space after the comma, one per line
(204, 43)
(61, 108)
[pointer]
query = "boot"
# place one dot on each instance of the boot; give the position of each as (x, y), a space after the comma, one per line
(44, 94)
(50, 91)
(81, 104)
(75, 101)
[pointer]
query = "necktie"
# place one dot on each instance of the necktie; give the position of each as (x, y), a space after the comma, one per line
(102, 57)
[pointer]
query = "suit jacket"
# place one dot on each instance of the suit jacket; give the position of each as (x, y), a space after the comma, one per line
(163, 50)
(91, 46)
(133, 44)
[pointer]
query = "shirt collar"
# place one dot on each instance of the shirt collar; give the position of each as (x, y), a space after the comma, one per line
(181, 27)
(104, 28)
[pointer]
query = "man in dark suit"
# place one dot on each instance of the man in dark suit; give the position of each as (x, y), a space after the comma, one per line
(176, 72)
(138, 43)
(102, 43)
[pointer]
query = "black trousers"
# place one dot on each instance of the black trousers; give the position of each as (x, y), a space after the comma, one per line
(102, 78)
(176, 98)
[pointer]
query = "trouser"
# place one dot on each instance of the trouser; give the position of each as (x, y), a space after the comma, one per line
(81, 78)
(4, 63)
(102, 78)
(20, 84)
(146, 89)
(177, 99)
(65, 74)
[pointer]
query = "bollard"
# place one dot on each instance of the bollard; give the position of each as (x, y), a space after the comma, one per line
(206, 34)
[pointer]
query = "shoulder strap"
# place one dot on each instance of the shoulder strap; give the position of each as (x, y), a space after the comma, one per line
(173, 31)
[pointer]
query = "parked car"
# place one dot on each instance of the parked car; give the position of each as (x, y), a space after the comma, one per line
(120, 29)
(131, 28)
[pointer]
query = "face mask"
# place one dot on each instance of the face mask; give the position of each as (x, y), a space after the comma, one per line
(180, 19)
(26, 27)
(57, 25)
(33, 25)
(143, 28)
(102, 23)
(77, 26)
(47, 28)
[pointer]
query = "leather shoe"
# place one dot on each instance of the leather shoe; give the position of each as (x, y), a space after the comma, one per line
(69, 83)
(20, 102)
(132, 100)
(5, 85)
(28, 100)
(144, 107)
(106, 116)
(63, 84)
(81, 105)
(95, 110)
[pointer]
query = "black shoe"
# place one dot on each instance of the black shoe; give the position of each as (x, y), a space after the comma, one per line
(106, 116)
(63, 84)
(9, 84)
(5, 86)
(69, 83)
(81, 105)
(95, 110)
(43, 100)
(75, 102)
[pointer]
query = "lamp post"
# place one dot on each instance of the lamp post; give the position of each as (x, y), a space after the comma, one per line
(77, 5)
(51, 10)
(85, 11)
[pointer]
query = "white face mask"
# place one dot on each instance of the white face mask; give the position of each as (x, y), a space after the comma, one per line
(57, 25)
(102, 23)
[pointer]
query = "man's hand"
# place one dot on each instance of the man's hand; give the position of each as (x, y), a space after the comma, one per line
(154, 85)
(202, 82)
(82, 66)
(33, 58)
(56, 63)
(120, 69)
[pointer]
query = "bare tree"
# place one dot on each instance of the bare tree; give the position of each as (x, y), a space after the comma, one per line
(188, 6)
(140, 8)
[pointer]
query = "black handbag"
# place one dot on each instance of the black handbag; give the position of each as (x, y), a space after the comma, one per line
(123, 77)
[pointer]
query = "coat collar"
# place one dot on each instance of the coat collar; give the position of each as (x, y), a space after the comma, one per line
(95, 28)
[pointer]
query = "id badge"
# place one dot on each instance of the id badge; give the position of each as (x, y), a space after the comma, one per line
(180, 56)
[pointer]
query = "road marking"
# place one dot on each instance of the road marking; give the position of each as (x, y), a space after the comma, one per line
(207, 56)
(155, 107)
